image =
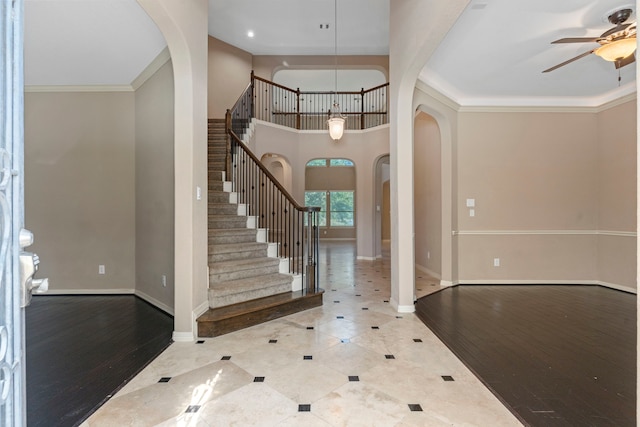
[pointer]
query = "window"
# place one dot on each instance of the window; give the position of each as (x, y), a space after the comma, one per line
(317, 198)
(330, 162)
(336, 207)
(317, 162)
(340, 162)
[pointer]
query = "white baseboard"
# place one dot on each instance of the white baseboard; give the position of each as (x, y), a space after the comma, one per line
(89, 292)
(619, 287)
(337, 239)
(406, 308)
(549, 282)
(447, 283)
(366, 258)
(182, 336)
(428, 271)
(155, 302)
(402, 308)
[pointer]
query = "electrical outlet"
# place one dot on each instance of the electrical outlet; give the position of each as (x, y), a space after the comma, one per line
(164, 280)
(496, 262)
(101, 269)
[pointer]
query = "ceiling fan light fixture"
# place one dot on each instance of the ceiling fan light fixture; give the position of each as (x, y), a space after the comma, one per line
(617, 50)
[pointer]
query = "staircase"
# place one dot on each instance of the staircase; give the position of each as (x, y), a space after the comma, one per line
(248, 283)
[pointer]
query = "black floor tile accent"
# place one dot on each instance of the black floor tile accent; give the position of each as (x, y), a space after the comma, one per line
(415, 407)
(447, 378)
(389, 356)
(417, 340)
(339, 317)
(164, 380)
(226, 358)
(309, 328)
(273, 341)
(200, 342)
(354, 378)
(375, 327)
(304, 408)
(258, 379)
(307, 357)
(365, 308)
(192, 408)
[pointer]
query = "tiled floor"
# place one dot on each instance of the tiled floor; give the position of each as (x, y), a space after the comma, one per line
(352, 362)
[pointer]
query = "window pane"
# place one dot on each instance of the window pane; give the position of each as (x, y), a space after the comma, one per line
(341, 208)
(340, 162)
(317, 162)
(342, 219)
(319, 199)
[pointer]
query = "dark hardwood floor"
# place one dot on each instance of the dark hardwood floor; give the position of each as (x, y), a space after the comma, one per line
(555, 355)
(81, 349)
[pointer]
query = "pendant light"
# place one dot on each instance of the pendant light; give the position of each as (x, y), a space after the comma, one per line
(336, 119)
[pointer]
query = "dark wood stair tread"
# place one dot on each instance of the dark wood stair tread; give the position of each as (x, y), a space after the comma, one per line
(230, 318)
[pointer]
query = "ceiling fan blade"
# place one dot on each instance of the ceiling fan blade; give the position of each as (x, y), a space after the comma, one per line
(625, 61)
(615, 29)
(576, 40)
(568, 61)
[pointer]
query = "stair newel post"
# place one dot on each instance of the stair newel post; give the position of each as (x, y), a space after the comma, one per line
(362, 108)
(298, 108)
(311, 249)
(227, 155)
(252, 94)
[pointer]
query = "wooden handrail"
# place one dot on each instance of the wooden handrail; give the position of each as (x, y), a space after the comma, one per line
(264, 170)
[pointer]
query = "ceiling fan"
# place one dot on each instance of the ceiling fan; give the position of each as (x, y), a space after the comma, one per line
(617, 44)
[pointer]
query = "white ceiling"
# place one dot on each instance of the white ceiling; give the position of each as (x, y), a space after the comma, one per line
(494, 54)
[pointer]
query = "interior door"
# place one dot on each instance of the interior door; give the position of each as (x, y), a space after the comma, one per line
(12, 365)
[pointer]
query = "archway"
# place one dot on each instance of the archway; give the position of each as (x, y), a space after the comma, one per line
(427, 192)
(280, 168)
(382, 203)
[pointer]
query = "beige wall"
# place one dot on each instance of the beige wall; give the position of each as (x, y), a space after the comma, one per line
(427, 195)
(154, 188)
(534, 178)
(79, 193)
(617, 194)
(554, 194)
(229, 74)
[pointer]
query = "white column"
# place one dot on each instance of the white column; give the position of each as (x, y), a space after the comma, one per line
(184, 24)
(416, 27)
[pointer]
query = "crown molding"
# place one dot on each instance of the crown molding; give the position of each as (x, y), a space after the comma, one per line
(540, 104)
(163, 57)
(87, 88)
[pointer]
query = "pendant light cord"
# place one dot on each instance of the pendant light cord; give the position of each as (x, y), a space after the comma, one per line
(335, 48)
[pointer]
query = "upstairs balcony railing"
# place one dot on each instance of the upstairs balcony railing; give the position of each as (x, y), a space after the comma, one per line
(304, 110)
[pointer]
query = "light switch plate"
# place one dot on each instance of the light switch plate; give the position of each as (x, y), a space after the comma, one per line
(471, 203)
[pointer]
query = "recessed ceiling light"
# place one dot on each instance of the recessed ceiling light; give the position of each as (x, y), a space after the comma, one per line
(250, 34)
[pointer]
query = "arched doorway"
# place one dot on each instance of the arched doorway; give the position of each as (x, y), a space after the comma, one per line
(382, 198)
(427, 190)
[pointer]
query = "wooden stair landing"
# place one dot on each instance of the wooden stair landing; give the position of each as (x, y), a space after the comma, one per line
(223, 320)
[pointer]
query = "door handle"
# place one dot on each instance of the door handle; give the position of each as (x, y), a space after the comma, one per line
(29, 264)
